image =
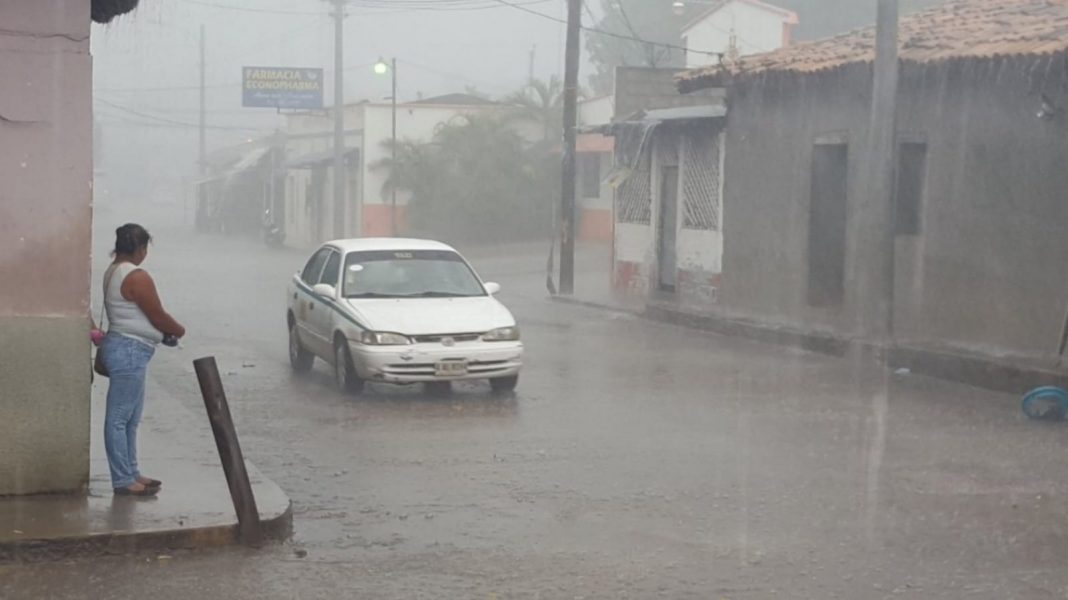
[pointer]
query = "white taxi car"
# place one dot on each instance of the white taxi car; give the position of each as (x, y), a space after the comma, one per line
(400, 311)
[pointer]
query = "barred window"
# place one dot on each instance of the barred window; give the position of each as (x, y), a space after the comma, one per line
(701, 181)
(634, 199)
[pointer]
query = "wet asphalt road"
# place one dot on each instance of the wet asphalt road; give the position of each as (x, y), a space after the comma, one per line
(637, 460)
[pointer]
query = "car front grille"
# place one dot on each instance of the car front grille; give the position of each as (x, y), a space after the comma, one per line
(473, 368)
(437, 339)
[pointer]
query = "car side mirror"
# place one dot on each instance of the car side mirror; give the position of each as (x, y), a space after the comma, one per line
(493, 288)
(324, 290)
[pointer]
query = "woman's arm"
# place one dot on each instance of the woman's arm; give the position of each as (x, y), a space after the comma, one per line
(138, 287)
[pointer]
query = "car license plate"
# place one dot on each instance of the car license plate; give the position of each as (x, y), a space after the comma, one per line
(451, 368)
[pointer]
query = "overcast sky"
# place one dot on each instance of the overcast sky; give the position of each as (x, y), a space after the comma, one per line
(441, 46)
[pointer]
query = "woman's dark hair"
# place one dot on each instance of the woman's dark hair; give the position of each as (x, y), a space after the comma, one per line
(130, 238)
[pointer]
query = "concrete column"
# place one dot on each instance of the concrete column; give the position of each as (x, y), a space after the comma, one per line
(45, 230)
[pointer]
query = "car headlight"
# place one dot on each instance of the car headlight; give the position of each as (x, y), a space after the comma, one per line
(378, 338)
(503, 334)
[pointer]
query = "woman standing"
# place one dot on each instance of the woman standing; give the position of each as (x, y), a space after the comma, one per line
(137, 323)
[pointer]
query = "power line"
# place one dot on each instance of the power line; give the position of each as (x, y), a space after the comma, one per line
(184, 88)
(252, 10)
(401, 5)
(166, 120)
(630, 26)
(448, 74)
(118, 119)
(609, 33)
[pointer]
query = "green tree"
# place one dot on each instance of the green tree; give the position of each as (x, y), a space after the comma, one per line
(542, 103)
(477, 180)
(650, 20)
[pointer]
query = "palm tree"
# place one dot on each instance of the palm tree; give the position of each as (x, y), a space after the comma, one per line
(411, 168)
(541, 102)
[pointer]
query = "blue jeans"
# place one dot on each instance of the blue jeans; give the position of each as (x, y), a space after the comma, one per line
(127, 362)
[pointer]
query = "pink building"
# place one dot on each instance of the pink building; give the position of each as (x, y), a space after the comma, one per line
(45, 230)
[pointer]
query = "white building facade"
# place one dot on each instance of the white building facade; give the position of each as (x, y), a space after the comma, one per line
(736, 28)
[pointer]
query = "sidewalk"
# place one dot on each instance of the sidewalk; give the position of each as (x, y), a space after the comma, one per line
(1014, 375)
(194, 508)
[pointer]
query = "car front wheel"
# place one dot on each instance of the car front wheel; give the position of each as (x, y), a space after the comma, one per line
(299, 358)
(345, 377)
(504, 385)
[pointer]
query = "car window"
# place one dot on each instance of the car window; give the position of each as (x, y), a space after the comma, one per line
(314, 267)
(405, 274)
(332, 270)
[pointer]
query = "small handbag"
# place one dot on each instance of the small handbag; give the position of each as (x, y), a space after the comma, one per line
(99, 367)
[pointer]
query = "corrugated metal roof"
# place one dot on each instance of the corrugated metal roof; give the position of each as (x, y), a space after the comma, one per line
(957, 29)
(314, 159)
(683, 113)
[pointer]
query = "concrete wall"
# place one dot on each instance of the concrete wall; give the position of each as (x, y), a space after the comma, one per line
(45, 231)
(755, 30)
(699, 253)
(595, 220)
(417, 122)
(986, 272)
(596, 111)
(644, 88)
(368, 127)
(770, 133)
(312, 134)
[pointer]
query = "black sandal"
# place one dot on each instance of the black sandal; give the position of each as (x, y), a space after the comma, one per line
(148, 491)
(153, 483)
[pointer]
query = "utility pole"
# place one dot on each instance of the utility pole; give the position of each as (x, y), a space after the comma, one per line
(567, 195)
(393, 147)
(877, 231)
(530, 71)
(339, 119)
(202, 159)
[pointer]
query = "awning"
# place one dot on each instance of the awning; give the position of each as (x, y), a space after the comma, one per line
(653, 117)
(250, 160)
(634, 133)
(308, 161)
(686, 113)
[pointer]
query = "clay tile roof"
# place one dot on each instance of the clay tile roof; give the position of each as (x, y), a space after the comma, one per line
(957, 29)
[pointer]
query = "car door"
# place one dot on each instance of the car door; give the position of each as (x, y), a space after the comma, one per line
(305, 306)
(321, 319)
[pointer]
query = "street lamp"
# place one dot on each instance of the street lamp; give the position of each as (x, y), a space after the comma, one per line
(679, 6)
(381, 68)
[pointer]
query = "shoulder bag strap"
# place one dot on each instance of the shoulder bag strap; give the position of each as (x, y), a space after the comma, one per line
(107, 285)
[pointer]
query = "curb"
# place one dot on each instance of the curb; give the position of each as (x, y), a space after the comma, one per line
(982, 371)
(597, 305)
(276, 529)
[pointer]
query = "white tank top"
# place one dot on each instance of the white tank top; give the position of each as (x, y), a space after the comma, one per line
(125, 317)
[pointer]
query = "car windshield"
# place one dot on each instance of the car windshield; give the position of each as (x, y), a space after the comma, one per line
(409, 274)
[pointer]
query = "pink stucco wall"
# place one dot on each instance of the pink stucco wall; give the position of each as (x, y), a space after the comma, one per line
(45, 229)
(45, 157)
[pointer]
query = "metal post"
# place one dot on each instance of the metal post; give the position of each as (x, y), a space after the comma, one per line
(393, 188)
(202, 157)
(884, 119)
(233, 462)
(339, 119)
(567, 196)
(875, 232)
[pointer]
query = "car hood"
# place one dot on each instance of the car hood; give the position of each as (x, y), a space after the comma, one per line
(431, 316)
